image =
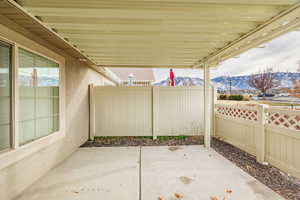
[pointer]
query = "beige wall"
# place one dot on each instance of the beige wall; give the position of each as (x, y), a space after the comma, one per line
(19, 168)
(78, 77)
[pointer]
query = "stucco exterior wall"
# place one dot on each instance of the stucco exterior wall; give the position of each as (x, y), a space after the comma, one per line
(21, 167)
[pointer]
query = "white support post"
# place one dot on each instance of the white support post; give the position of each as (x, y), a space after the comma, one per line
(92, 112)
(154, 112)
(213, 101)
(207, 106)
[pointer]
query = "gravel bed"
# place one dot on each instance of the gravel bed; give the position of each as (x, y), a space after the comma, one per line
(287, 186)
(144, 141)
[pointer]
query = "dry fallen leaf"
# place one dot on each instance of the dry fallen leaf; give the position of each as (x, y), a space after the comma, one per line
(174, 148)
(229, 191)
(185, 179)
(214, 198)
(178, 195)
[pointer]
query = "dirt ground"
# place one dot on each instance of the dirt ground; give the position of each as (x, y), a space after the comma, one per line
(144, 141)
(285, 185)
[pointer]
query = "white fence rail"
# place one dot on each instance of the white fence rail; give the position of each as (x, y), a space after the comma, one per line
(146, 111)
(272, 135)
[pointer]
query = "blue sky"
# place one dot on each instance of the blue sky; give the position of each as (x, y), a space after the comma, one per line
(282, 54)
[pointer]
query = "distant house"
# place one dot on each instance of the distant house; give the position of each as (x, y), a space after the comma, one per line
(142, 76)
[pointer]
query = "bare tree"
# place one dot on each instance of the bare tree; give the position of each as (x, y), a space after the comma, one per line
(263, 81)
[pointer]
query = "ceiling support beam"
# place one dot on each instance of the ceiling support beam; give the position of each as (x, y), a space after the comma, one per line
(283, 23)
(145, 66)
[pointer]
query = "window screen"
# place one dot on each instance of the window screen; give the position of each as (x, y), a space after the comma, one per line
(38, 79)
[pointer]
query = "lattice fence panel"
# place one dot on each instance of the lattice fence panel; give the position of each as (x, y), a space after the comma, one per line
(290, 120)
(237, 112)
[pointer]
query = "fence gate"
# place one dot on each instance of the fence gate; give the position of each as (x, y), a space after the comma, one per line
(146, 111)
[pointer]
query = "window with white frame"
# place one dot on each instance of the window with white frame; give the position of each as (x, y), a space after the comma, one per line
(38, 82)
(5, 96)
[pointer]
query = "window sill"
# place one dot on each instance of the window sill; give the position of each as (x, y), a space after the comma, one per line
(12, 156)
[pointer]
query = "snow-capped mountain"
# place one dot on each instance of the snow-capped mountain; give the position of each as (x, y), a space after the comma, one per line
(237, 82)
(180, 81)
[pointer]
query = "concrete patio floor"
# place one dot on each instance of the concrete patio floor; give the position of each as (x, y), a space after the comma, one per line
(147, 173)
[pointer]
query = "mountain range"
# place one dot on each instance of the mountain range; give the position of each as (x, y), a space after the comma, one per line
(221, 83)
(237, 82)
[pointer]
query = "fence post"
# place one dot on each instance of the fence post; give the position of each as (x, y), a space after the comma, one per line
(154, 112)
(92, 111)
(260, 134)
(214, 101)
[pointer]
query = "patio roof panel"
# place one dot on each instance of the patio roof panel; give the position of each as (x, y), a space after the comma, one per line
(158, 33)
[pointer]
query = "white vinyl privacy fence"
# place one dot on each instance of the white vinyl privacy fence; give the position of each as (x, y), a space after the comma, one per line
(272, 135)
(122, 111)
(146, 111)
(178, 111)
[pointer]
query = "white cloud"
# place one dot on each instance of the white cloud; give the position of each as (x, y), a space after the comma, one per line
(282, 54)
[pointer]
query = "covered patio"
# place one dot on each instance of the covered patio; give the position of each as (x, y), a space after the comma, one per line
(163, 34)
(147, 173)
(46, 120)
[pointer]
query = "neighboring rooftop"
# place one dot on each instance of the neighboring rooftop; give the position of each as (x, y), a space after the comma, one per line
(139, 73)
